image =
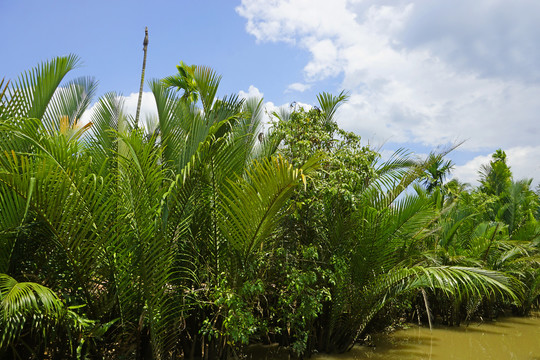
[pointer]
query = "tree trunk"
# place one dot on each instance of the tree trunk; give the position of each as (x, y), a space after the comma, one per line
(145, 47)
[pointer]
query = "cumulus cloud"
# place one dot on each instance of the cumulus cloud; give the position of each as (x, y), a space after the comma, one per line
(518, 158)
(269, 107)
(420, 71)
(468, 173)
(298, 87)
(148, 105)
(495, 38)
(252, 92)
(148, 108)
(524, 162)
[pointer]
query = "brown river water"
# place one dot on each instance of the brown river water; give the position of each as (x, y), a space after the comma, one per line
(504, 339)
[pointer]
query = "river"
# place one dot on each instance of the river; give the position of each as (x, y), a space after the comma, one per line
(505, 339)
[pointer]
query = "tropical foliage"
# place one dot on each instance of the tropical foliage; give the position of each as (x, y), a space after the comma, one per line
(201, 233)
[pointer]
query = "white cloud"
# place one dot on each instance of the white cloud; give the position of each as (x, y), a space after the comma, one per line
(270, 107)
(523, 162)
(285, 20)
(252, 92)
(148, 107)
(468, 173)
(298, 87)
(495, 38)
(519, 160)
(420, 71)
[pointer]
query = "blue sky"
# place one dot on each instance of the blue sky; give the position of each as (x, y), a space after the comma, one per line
(107, 36)
(420, 73)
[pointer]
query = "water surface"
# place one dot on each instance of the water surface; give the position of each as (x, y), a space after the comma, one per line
(504, 339)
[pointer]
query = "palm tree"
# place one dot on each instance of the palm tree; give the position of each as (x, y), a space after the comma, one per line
(495, 176)
(184, 80)
(130, 224)
(436, 173)
(44, 172)
(378, 259)
(234, 192)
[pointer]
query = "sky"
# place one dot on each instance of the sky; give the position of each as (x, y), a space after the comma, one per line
(421, 74)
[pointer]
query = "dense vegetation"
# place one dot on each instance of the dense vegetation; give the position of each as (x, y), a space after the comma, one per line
(198, 233)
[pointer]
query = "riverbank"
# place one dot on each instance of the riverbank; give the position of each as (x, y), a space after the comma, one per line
(506, 338)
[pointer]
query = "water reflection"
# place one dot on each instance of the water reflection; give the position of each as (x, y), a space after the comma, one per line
(508, 338)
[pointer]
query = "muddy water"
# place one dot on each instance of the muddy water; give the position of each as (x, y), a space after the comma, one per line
(505, 339)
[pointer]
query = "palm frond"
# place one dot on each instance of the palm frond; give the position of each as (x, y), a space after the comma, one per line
(69, 102)
(330, 103)
(101, 142)
(251, 208)
(13, 210)
(460, 282)
(23, 302)
(147, 278)
(207, 82)
(30, 95)
(73, 204)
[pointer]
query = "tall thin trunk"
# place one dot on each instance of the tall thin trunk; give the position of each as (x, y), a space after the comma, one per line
(140, 350)
(145, 47)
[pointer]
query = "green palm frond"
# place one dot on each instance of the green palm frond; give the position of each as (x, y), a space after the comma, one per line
(13, 209)
(260, 144)
(252, 207)
(250, 124)
(386, 237)
(3, 88)
(23, 302)
(101, 142)
(30, 95)
(29, 310)
(74, 205)
(147, 281)
(181, 127)
(396, 177)
(329, 104)
(387, 175)
(184, 80)
(185, 132)
(230, 107)
(254, 109)
(460, 282)
(69, 101)
(452, 228)
(207, 82)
